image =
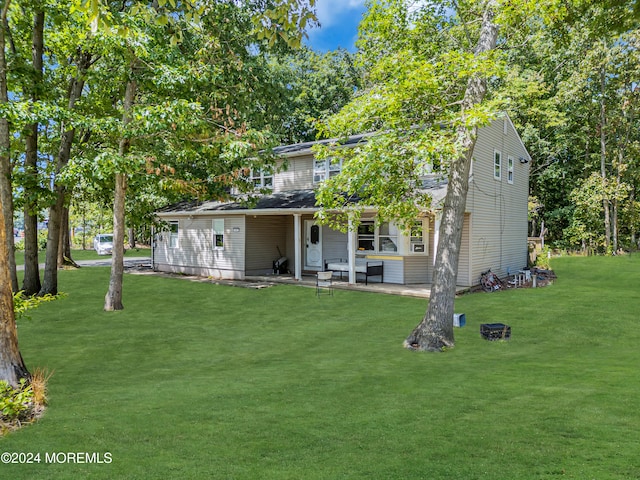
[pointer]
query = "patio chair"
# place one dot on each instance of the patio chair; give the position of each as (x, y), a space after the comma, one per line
(324, 283)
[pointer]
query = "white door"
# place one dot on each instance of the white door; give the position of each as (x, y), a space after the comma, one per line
(313, 245)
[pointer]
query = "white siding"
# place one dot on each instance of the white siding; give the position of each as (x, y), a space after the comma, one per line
(195, 253)
(498, 208)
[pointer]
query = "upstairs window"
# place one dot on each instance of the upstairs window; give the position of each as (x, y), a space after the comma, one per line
(510, 169)
(327, 168)
(497, 165)
(261, 178)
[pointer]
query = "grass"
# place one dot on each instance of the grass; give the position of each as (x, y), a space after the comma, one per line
(195, 380)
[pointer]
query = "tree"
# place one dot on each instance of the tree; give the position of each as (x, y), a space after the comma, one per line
(148, 94)
(313, 86)
(426, 100)
(436, 330)
(12, 367)
(31, 281)
(6, 190)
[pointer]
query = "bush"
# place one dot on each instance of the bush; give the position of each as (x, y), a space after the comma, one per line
(543, 260)
(21, 303)
(16, 404)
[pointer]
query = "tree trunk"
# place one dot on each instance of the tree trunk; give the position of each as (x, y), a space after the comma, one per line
(6, 188)
(12, 367)
(603, 164)
(50, 280)
(31, 282)
(435, 332)
(113, 298)
(64, 247)
(132, 238)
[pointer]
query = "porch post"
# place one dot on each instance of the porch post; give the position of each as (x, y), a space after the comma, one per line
(297, 241)
(351, 250)
(436, 234)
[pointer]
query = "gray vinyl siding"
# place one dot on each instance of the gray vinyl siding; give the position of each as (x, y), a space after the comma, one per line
(195, 254)
(265, 236)
(416, 269)
(464, 260)
(498, 208)
(393, 270)
(298, 175)
(334, 244)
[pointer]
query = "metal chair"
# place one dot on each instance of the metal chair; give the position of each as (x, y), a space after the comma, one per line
(324, 283)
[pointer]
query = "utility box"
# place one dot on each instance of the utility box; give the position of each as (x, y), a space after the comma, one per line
(459, 320)
(495, 331)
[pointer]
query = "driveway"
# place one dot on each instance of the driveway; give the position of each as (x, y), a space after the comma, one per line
(129, 262)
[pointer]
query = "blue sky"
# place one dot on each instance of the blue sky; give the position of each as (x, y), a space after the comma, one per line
(339, 24)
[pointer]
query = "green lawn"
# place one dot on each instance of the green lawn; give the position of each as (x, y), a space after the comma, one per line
(195, 381)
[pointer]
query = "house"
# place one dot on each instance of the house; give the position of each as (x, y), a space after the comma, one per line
(234, 240)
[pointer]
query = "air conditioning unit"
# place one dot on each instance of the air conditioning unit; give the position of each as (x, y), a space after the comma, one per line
(417, 247)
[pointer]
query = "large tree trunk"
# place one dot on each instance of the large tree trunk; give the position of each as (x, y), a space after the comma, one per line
(113, 298)
(50, 280)
(435, 332)
(12, 367)
(31, 282)
(6, 188)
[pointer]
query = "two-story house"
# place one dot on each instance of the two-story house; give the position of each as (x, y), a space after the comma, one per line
(232, 240)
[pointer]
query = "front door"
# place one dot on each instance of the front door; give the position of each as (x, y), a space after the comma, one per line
(313, 245)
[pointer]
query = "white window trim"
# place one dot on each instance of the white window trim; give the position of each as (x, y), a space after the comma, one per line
(497, 162)
(261, 174)
(173, 238)
(423, 240)
(215, 233)
(377, 236)
(323, 169)
(510, 169)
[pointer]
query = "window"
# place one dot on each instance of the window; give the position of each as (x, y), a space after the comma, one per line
(366, 236)
(173, 234)
(218, 234)
(510, 169)
(387, 238)
(327, 168)
(372, 239)
(262, 178)
(417, 232)
(497, 165)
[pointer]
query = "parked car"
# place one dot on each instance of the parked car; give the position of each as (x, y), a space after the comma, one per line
(103, 243)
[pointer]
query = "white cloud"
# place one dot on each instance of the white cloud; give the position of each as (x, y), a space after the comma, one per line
(329, 12)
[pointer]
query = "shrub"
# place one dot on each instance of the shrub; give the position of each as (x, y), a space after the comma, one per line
(16, 404)
(543, 259)
(21, 303)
